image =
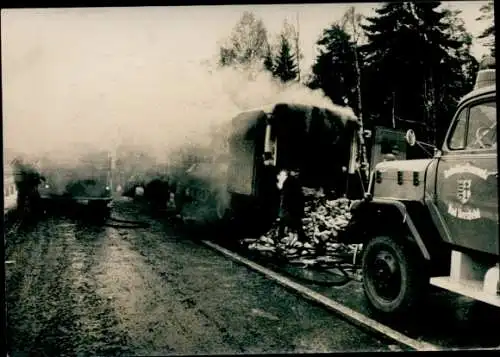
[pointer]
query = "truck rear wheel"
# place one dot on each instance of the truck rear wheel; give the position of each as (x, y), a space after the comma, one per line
(393, 279)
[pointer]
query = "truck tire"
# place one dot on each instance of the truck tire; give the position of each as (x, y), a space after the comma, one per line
(394, 278)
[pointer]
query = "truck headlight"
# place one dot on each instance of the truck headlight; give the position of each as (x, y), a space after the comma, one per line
(107, 188)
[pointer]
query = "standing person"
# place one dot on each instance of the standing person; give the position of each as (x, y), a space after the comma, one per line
(268, 192)
(292, 203)
(27, 181)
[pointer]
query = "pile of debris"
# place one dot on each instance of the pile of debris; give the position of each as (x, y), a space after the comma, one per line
(324, 224)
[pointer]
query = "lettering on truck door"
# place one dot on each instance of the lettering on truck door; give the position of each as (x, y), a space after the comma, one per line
(466, 190)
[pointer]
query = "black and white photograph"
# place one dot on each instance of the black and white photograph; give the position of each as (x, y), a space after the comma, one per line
(250, 179)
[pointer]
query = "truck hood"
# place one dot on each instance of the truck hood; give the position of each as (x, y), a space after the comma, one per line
(389, 184)
(419, 165)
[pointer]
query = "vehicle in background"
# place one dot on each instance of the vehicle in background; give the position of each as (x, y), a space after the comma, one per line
(85, 181)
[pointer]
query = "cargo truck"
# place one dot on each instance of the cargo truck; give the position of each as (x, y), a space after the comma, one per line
(239, 183)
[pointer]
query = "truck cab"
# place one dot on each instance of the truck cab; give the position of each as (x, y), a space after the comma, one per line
(435, 221)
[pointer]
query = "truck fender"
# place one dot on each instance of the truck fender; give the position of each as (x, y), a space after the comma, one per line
(384, 204)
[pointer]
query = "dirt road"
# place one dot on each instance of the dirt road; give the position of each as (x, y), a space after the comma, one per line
(80, 289)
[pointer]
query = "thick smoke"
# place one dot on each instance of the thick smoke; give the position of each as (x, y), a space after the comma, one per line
(153, 116)
(150, 109)
(88, 89)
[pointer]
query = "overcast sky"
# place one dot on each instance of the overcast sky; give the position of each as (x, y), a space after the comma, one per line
(185, 33)
(80, 56)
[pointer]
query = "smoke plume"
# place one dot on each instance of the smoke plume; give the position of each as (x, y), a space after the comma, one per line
(151, 110)
(88, 90)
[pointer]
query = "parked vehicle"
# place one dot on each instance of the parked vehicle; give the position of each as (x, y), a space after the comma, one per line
(86, 181)
(435, 221)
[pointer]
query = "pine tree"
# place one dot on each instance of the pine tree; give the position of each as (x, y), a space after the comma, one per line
(413, 56)
(269, 60)
(334, 69)
(285, 66)
(380, 59)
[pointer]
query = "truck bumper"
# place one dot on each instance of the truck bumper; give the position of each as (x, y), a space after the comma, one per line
(88, 201)
(472, 278)
(78, 200)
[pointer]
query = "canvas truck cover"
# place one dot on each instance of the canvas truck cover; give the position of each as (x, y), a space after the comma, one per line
(316, 140)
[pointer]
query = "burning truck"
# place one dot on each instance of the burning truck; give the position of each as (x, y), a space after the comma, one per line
(235, 180)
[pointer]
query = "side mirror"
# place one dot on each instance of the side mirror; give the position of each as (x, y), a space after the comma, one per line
(410, 137)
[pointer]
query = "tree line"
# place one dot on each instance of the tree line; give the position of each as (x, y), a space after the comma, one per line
(405, 67)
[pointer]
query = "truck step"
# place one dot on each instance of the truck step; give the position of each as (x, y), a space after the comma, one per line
(470, 288)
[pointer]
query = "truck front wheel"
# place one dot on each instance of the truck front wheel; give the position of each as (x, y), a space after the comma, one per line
(394, 278)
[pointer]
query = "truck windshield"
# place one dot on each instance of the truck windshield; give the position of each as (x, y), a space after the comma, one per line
(482, 126)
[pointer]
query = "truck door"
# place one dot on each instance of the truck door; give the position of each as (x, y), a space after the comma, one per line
(466, 189)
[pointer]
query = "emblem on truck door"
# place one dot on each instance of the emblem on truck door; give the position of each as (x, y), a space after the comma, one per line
(463, 194)
(463, 190)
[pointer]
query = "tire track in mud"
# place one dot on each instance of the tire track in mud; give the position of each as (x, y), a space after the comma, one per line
(187, 269)
(98, 325)
(153, 251)
(52, 307)
(155, 312)
(40, 318)
(239, 317)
